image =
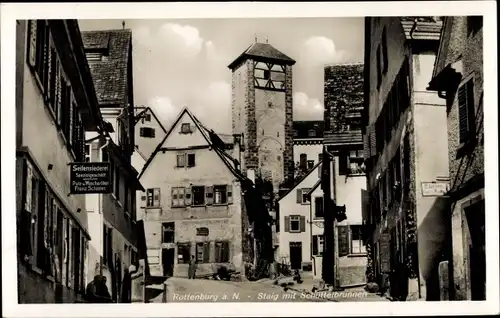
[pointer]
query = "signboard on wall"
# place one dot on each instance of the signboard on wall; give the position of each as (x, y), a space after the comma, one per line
(430, 189)
(90, 177)
(202, 231)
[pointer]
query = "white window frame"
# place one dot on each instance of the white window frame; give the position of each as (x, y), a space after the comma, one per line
(362, 247)
(294, 218)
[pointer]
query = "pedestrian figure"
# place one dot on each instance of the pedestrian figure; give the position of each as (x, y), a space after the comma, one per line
(97, 291)
(192, 268)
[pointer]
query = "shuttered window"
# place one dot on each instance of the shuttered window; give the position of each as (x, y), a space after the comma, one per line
(295, 224)
(318, 243)
(38, 56)
(183, 253)
(343, 240)
(188, 197)
(318, 207)
(356, 240)
(203, 252)
(229, 194)
(466, 111)
(221, 252)
(343, 163)
(373, 141)
(198, 194)
(302, 195)
(178, 197)
(209, 195)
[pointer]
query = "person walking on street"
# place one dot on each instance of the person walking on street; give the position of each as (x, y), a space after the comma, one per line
(192, 268)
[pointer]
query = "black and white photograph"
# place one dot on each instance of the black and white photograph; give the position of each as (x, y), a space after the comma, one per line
(184, 156)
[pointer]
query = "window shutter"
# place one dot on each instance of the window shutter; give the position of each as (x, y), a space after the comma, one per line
(287, 224)
(29, 185)
(32, 43)
(229, 194)
(462, 111)
(299, 195)
(366, 145)
(209, 195)
(225, 251)
(156, 197)
(302, 224)
(64, 249)
(26, 215)
(206, 252)
(315, 245)
(343, 240)
(61, 87)
(188, 197)
(175, 197)
(49, 68)
(373, 141)
(69, 258)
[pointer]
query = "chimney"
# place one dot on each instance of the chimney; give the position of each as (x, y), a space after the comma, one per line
(237, 149)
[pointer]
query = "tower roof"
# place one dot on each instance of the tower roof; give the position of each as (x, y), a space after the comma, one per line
(263, 51)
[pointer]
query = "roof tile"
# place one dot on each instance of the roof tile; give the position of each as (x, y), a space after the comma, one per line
(111, 73)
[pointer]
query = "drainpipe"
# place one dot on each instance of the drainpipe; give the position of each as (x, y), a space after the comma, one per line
(99, 201)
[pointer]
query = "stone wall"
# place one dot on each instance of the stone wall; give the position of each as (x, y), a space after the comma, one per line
(288, 161)
(470, 47)
(343, 93)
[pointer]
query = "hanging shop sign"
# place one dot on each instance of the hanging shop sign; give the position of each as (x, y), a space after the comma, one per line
(90, 177)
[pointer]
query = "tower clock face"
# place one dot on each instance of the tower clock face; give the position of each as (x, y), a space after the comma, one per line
(269, 76)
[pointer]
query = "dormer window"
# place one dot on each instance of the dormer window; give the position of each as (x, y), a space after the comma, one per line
(186, 128)
(312, 133)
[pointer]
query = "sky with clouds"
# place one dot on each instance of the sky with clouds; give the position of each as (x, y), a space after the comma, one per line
(181, 63)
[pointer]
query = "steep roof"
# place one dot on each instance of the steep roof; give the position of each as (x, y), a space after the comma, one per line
(262, 51)
(202, 129)
(110, 74)
(140, 110)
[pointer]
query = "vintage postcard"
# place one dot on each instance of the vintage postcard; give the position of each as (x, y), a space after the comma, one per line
(220, 159)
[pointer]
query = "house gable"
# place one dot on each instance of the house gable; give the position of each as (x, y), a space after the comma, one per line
(195, 140)
(185, 134)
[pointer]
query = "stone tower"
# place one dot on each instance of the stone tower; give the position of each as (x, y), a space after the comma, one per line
(262, 111)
